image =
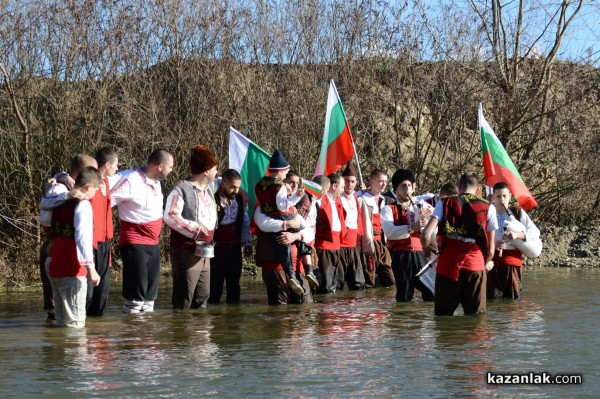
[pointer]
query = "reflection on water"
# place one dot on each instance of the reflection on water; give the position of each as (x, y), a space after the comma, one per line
(350, 344)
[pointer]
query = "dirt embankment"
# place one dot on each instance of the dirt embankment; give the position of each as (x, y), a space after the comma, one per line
(569, 247)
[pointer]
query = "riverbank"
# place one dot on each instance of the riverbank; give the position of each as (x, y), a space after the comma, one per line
(571, 246)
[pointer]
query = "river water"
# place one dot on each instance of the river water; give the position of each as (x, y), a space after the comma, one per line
(349, 345)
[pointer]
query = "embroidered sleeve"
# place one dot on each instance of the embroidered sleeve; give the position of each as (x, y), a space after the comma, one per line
(367, 240)
(173, 218)
(121, 192)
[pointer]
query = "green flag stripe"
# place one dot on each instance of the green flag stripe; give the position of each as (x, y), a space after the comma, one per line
(254, 168)
(337, 123)
(489, 142)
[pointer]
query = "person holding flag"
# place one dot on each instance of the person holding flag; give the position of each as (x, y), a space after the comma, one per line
(504, 280)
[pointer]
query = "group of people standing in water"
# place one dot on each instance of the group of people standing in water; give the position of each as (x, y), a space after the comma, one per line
(305, 244)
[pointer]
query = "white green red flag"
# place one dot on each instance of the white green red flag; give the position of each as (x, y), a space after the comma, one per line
(312, 188)
(250, 160)
(498, 167)
(337, 147)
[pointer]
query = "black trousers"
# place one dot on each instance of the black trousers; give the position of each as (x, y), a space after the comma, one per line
(46, 286)
(329, 266)
(351, 270)
(141, 271)
(504, 281)
(468, 291)
(406, 265)
(97, 297)
(225, 268)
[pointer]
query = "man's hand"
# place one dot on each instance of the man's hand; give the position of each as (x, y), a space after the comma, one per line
(295, 223)
(76, 194)
(93, 276)
(426, 213)
(50, 183)
(511, 235)
(67, 181)
(427, 252)
(285, 237)
(489, 266)
(202, 234)
(300, 192)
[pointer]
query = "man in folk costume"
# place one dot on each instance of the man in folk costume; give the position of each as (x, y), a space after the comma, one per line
(138, 195)
(278, 228)
(467, 224)
(97, 296)
(71, 262)
(330, 228)
(377, 262)
(58, 191)
(402, 222)
(504, 280)
(275, 202)
(232, 234)
(191, 213)
(351, 270)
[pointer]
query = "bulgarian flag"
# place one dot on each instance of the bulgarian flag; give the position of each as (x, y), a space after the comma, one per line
(312, 188)
(250, 160)
(498, 167)
(337, 147)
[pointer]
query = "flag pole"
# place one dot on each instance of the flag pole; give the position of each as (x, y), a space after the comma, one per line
(351, 138)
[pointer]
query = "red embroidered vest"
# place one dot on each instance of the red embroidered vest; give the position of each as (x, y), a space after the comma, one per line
(64, 261)
(266, 191)
(326, 238)
(411, 243)
(465, 216)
